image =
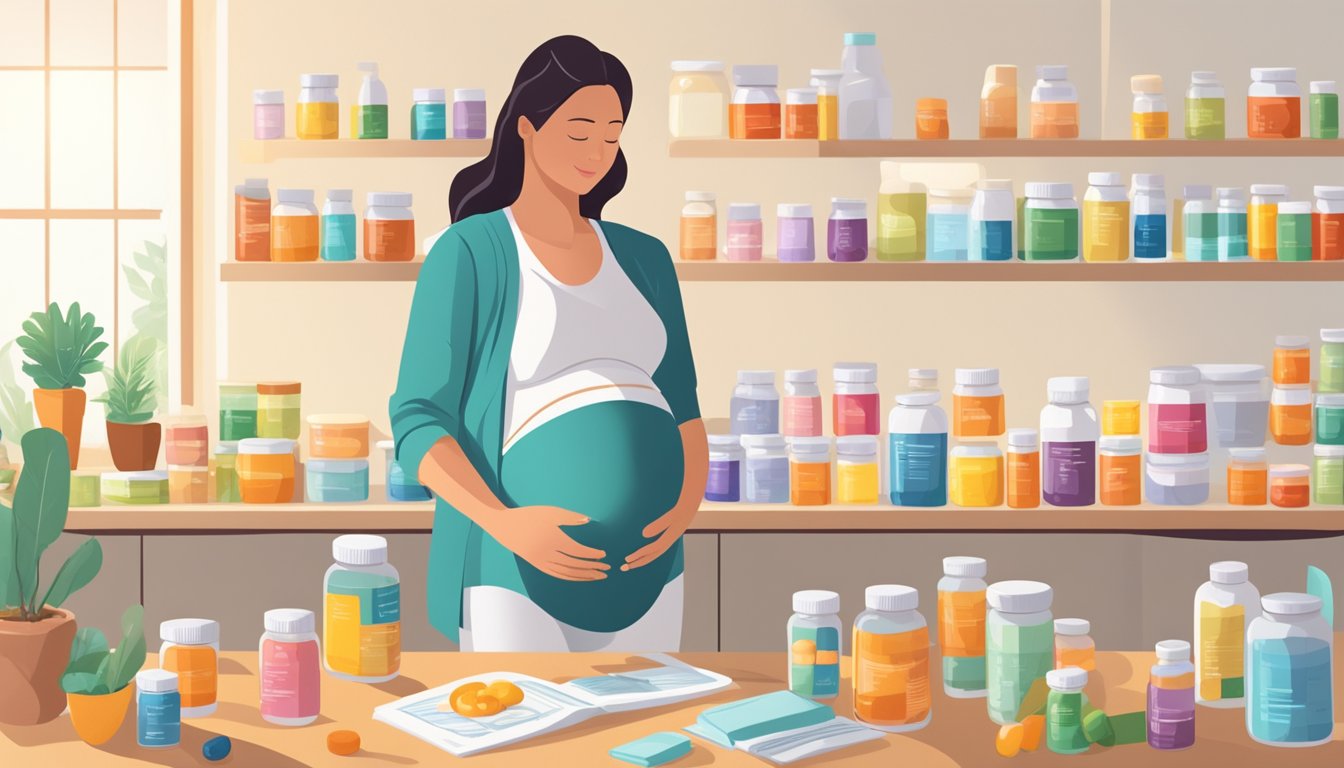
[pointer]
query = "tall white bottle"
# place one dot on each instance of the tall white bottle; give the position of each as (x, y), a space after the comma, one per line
(865, 95)
(1225, 605)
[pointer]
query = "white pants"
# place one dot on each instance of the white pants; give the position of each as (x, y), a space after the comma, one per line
(499, 619)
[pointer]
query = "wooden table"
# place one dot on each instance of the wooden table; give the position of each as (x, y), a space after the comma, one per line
(959, 735)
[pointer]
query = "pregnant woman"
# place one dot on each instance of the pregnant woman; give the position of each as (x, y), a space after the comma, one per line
(547, 391)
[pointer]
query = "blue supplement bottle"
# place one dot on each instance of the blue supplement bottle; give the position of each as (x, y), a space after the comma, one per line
(947, 221)
(918, 451)
(754, 407)
(765, 469)
(429, 115)
(158, 709)
(1288, 672)
(338, 226)
(1150, 216)
(991, 233)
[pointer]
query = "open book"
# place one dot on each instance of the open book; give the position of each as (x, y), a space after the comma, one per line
(781, 727)
(546, 706)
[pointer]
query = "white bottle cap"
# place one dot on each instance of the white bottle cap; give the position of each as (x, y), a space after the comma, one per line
(794, 210)
(1197, 192)
(268, 97)
(856, 445)
(891, 597)
(1049, 190)
(1072, 627)
(800, 96)
(1066, 679)
(1288, 471)
(1322, 86)
(923, 375)
(300, 196)
(389, 199)
(816, 602)
(1025, 437)
(1105, 179)
(1019, 596)
(725, 441)
(1068, 390)
(436, 95)
(340, 195)
(756, 377)
(801, 375)
(1231, 372)
(1247, 454)
(1269, 190)
(1230, 193)
(811, 446)
(289, 621)
(965, 567)
(1177, 375)
(1173, 650)
(156, 680)
(744, 211)
(764, 441)
(320, 81)
(855, 373)
(266, 446)
(762, 75)
(1290, 603)
(1229, 572)
(1325, 192)
(917, 399)
(1052, 72)
(1291, 342)
(1274, 74)
(468, 94)
(359, 549)
(696, 196)
(1149, 181)
(1328, 451)
(1120, 443)
(1203, 77)
(190, 631)
(976, 377)
(1295, 207)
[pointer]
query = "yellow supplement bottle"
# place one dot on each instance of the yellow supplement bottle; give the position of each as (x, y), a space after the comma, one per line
(1149, 118)
(856, 469)
(976, 476)
(361, 618)
(1224, 606)
(1105, 218)
(1262, 220)
(827, 83)
(317, 113)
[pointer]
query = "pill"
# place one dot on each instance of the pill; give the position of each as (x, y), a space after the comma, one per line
(217, 748)
(1032, 729)
(1009, 741)
(343, 742)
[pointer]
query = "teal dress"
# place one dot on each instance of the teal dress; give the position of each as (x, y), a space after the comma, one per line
(619, 463)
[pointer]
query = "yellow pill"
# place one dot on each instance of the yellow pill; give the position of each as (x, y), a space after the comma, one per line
(1009, 741)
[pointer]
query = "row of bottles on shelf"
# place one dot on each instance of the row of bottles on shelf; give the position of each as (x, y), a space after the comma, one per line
(293, 230)
(777, 452)
(1270, 655)
(983, 220)
(855, 102)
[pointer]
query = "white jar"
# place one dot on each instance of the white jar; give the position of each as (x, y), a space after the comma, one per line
(1177, 422)
(191, 649)
(1149, 216)
(1225, 605)
(993, 222)
(1289, 660)
(754, 407)
(1281, 95)
(389, 227)
(698, 100)
(1239, 395)
(1069, 433)
(815, 637)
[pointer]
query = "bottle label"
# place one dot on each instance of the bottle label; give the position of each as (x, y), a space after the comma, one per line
(197, 673)
(996, 241)
(814, 669)
(362, 624)
(891, 677)
(1222, 631)
(1150, 236)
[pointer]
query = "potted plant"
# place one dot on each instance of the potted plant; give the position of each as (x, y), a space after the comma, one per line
(97, 681)
(130, 399)
(61, 351)
(35, 633)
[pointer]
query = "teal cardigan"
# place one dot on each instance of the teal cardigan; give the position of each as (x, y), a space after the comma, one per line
(455, 362)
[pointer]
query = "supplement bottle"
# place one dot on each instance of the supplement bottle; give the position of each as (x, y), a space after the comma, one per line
(468, 113)
(754, 112)
(1149, 118)
(158, 709)
(865, 97)
(961, 626)
(810, 471)
(1180, 479)
(1105, 218)
(278, 409)
(1293, 242)
(699, 227)
(368, 116)
(754, 407)
(992, 233)
(743, 240)
(1289, 485)
(1205, 108)
(793, 232)
(294, 226)
(917, 431)
(361, 618)
(389, 227)
(1121, 470)
(1200, 222)
(1054, 104)
(856, 469)
(1069, 443)
(1288, 691)
(1050, 222)
(1327, 225)
(268, 115)
(317, 114)
(266, 470)
(1064, 711)
(1239, 395)
(1330, 418)
(1171, 697)
(338, 226)
(191, 651)
(1150, 216)
(1232, 236)
(1327, 475)
(801, 404)
(252, 221)
(1247, 477)
(800, 113)
(1120, 417)
(1324, 103)
(1023, 469)
(765, 476)
(827, 83)
(998, 102)
(1019, 644)
(1074, 646)
(891, 661)
(1176, 411)
(847, 230)
(237, 411)
(401, 485)
(1262, 220)
(977, 403)
(1274, 104)
(902, 211)
(1224, 608)
(725, 468)
(429, 114)
(288, 668)
(1290, 414)
(975, 476)
(931, 119)
(1292, 360)
(698, 100)
(948, 217)
(1332, 360)
(814, 644)
(224, 471)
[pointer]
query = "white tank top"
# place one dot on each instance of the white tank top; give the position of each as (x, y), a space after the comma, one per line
(577, 345)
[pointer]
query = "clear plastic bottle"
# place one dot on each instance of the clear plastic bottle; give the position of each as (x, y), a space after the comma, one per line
(1149, 211)
(1171, 697)
(1019, 644)
(1205, 107)
(1289, 668)
(1149, 118)
(765, 471)
(892, 691)
(801, 404)
(1054, 104)
(1200, 222)
(865, 96)
(814, 644)
(948, 218)
(1069, 433)
(361, 621)
(1233, 244)
(1074, 646)
(368, 115)
(961, 626)
(338, 226)
(917, 431)
(1224, 608)
(754, 407)
(1064, 708)
(1105, 218)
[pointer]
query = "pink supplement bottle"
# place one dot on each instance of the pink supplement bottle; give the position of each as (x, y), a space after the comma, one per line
(268, 115)
(855, 405)
(801, 405)
(290, 668)
(1176, 411)
(744, 232)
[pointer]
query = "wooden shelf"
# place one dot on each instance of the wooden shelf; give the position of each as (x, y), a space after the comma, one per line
(994, 148)
(1205, 521)
(318, 271)
(254, 151)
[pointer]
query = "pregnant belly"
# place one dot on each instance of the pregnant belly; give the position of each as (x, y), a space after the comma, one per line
(620, 464)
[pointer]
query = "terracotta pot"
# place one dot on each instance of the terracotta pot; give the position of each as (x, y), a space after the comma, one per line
(98, 718)
(63, 411)
(135, 447)
(33, 656)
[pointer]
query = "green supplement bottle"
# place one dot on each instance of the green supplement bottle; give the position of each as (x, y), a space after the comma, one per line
(1064, 733)
(1019, 644)
(1205, 108)
(368, 116)
(1293, 242)
(1323, 103)
(1051, 222)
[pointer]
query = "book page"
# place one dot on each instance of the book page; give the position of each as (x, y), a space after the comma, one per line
(670, 682)
(800, 743)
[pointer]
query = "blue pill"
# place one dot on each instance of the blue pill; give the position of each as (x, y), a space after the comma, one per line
(217, 748)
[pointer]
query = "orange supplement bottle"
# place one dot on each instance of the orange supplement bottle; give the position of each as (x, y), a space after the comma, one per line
(1024, 469)
(1292, 360)
(977, 403)
(800, 113)
(891, 661)
(754, 111)
(294, 226)
(1289, 485)
(266, 470)
(191, 649)
(1327, 224)
(1074, 646)
(931, 119)
(1247, 477)
(1121, 470)
(1290, 415)
(810, 471)
(998, 102)
(1149, 118)
(961, 626)
(1054, 104)
(1274, 104)
(699, 227)
(389, 227)
(252, 221)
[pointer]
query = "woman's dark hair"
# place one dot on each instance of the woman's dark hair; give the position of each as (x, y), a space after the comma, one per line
(548, 77)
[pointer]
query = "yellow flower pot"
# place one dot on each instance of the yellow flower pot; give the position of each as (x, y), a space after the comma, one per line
(98, 718)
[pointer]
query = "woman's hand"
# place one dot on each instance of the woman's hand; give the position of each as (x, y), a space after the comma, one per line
(665, 531)
(535, 534)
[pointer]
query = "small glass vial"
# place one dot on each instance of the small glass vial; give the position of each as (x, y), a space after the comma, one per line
(847, 230)
(725, 468)
(429, 114)
(1289, 485)
(1074, 646)
(814, 644)
(469, 113)
(810, 471)
(744, 237)
(856, 469)
(1247, 477)
(291, 678)
(1064, 708)
(1289, 654)
(1205, 107)
(961, 626)
(1171, 697)
(754, 407)
(1324, 109)
(801, 404)
(389, 227)
(931, 119)
(765, 472)
(891, 684)
(794, 239)
(699, 227)
(268, 115)
(800, 113)
(158, 709)
(1149, 118)
(338, 226)
(855, 406)
(1024, 469)
(361, 622)
(191, 650)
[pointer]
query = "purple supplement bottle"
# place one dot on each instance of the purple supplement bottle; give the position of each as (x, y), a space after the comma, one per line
(468, 113)
(847, 230)
(1069, 433)
(793, 232)
(1171, 697)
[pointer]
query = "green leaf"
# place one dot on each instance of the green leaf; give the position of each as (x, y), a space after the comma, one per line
(130, 653)
(7, 581)
(138, 286)
(130, 396)
(88, 640)
(61, 349)
(88, 663)
(16, 412)
(86, 683)
(40, 503)
(79, 569)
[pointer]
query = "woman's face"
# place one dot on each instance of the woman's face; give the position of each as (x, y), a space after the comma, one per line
(578, 144)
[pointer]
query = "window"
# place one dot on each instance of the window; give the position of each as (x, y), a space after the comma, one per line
(90, 177)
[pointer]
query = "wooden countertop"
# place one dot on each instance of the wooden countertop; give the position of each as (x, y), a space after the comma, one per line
(960, 734)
